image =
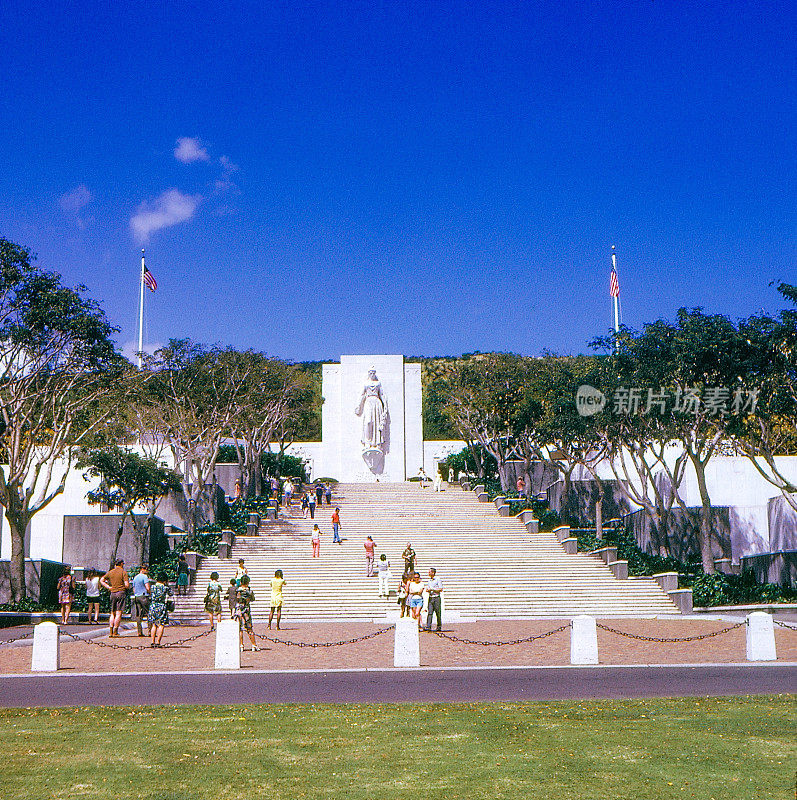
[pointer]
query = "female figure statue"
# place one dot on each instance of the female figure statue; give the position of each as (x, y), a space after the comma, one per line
(374, 412)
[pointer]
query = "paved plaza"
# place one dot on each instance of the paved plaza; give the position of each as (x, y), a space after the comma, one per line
(101, 655)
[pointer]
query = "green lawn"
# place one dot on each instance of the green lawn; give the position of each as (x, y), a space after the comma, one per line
(726, 749)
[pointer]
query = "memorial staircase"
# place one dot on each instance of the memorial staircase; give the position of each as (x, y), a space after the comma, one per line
(491, 566)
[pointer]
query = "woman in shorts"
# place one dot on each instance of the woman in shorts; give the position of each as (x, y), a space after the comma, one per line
(415, 596)
(213, 599)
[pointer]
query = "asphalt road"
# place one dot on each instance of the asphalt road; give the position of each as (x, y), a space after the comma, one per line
(395, 686)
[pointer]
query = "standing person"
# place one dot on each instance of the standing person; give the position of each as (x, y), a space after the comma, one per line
(315, 538)
(277, 582)
(328, 493)
(435, 588)
(369, 546)
(243, 612)
(93, 594)
(336, 527)
(240, 572)
(311, 502)
(232, 590)
(117, 582)
(305, 505)
(158, 616)
(183, 574)
(383, 570)
(409, 558)
(422, 477)
(275, 488)
(402, 593)
(238, 492)
(521, 486)
(415, 596)
(141, 595)
(438, 481)
(451, 474)
(319, 494)
(66, 593)
(213, 599)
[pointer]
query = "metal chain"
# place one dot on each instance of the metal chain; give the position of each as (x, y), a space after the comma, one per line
(785, 625)
(323, 644)
(453, 638)
(16, 638)
(668, 640)
(98, 643)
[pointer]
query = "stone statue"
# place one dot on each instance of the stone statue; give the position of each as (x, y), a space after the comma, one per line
(375, 421)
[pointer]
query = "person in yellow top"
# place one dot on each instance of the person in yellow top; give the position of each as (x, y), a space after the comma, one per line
(277, 582)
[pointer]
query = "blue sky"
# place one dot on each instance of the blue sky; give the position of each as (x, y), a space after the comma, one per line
(314, 179)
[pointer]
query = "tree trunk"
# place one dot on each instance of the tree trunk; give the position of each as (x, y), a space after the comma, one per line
(17, 528)
(258, 474)
(141, 532)
(705, 519)
(117, 539)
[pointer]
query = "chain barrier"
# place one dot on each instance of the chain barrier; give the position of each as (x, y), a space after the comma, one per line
(536, 636)
(267, 638)
(98, 643)
(16, 638)
(671, 640)
(785, 625)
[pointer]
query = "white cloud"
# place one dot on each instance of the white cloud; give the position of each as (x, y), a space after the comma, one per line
(224, 182)
(190, 149)
(169, 208)
(74, 201)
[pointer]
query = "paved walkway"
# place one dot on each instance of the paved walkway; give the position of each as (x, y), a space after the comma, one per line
(99, 655)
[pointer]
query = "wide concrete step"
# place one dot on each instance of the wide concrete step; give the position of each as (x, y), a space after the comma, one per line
(490, 565)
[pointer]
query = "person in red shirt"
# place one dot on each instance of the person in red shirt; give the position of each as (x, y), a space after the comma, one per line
(336, 527)
(369, 556)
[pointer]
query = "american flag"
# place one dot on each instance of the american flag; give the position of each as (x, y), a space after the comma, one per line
(614, 284)
(149, 280)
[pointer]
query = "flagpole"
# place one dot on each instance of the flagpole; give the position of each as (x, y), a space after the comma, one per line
(616, 298)
(141, 311)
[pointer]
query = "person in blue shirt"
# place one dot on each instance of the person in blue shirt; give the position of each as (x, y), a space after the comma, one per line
(141, 594)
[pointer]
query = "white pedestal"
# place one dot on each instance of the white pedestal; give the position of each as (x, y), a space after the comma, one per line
(46, 648)
(407, 645)
(583, 640)
(760, 637)
(228, 653)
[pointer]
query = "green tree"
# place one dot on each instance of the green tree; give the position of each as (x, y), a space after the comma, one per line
(128, 480)
(769, 429)
(267, 398)
(191, 394)
(58, 361)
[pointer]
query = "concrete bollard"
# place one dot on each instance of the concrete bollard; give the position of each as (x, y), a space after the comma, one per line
(583, 640)
(228, 653)
(407, 644)
(46, 648)
(760, 637)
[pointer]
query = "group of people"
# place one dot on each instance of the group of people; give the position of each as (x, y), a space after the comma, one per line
(240, 597)
(309, 499)
(149, 601)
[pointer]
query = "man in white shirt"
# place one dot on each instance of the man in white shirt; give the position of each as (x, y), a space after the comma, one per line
(435, 588)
